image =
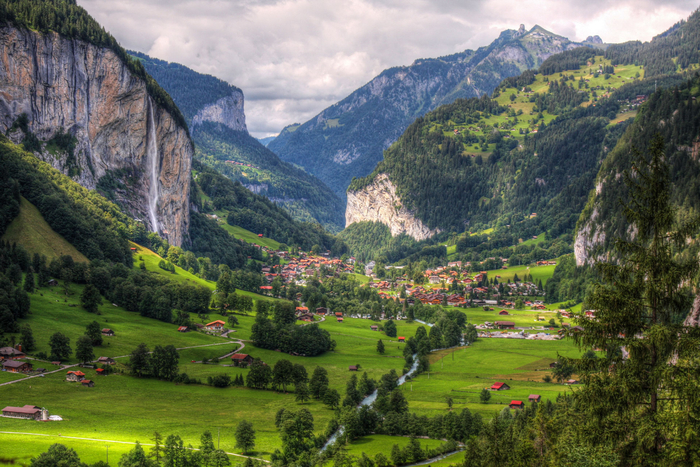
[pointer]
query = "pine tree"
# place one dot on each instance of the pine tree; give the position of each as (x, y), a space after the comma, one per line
(26, 338)
(644, 390)
(29, 282)
(380, 346)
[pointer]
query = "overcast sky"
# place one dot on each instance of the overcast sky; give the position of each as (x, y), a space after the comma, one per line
(293, 58)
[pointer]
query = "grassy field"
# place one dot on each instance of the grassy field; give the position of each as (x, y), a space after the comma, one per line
(152, 259)
(31, 231)
(463, 373)
(249, 237)
(374, 444)
(537, 272)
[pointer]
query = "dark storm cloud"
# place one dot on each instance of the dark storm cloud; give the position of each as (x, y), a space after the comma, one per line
(293, 58)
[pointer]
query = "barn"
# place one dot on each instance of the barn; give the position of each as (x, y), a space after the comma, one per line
(29, 412)
(499, 387)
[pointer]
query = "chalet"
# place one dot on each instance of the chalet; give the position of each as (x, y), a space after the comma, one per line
(14, 366)
(106, 361)
(75, 376)
(340, 320)
(87, 383)
(374, 327)
(402, 339)
(107, 332)
(434, 279)
(516, 405)
(182, 329)
(241, 359)
(352, 368)
(29, 412)
(505, 325)
(100, 371)
(503, 313)
(260, 235)
(308, 317)
(499, 387)
(534, 398)
(338, 313)
(217, 325)
(321, 310)
(10, 353)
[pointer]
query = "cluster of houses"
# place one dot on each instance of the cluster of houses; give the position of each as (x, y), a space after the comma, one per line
(10, 358)
(514, 404)
(78, 376)
(298, 270)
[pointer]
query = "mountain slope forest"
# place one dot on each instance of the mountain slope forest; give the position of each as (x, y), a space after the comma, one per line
(222, 141)
(347, 139)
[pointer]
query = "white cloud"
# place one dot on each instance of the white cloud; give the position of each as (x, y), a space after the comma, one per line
(293, 58)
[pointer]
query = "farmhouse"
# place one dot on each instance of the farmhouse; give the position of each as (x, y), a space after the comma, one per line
(107, 332)
(321, 310)
(16, 367)
(505, 325)
(516, 405)
(534, 398)
(29, 412)
(499, 387)
(106, 361)
(308, 317)
(217, 325)
(241, 359)
(10, 353)
(75, 376)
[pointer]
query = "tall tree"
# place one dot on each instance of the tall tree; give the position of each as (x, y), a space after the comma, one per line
(156, 451)
(140, 360)
(90, 298)
(644, 393)
(94, 332)
(83, 349)
(60, 347)
(380, 347)
(245, 436)
(319, 382)
(26, 338)
(136, 458)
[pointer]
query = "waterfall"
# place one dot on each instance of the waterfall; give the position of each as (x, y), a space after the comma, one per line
(153, 166)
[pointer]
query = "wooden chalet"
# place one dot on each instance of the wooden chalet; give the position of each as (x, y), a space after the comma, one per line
(402, 339)
(340, 320)
(29, 412)
(100, 371)
(87, 383)
(182, 329)
(505, 324)
(516, 405)
(374, 327)
(499, 387)
(75, 376)
(352, 368)
(534, 398)
(321, 310)
(241, 359)
(107, 332)
(14, 366)
(307, 317)
(106, 361)
(10, 353)
(503, 313)
(217, 325)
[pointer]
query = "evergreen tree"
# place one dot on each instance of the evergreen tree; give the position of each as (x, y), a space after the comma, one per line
(90, 298)
(140, 360)
(94, 332)
(644, 390)
(390, 328)
(380, 346)
(83, 349)
(156, 451)
(319, 382)
(29, 282)
(136, 458)
(26, 338)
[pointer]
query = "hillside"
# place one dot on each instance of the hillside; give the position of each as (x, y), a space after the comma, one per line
(215, 112)
(30, 230)
(347, 139)
(102, 120)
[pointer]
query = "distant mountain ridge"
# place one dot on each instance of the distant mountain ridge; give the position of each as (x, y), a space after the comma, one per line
(214, 110)
(347, 139)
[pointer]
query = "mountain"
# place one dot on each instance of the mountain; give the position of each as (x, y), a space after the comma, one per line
(266, 140)
(74, 97)
(347, 139)
(214, 110)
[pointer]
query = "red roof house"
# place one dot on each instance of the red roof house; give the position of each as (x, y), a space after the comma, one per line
(499, 387)
(534, 398)
(516, 404)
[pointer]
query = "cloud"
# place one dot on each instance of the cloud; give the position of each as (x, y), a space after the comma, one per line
(293, 58)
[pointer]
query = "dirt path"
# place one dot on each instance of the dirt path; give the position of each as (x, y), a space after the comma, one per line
(113, 441)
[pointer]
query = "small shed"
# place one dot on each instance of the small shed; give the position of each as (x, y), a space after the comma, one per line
(100, 371)
(503, 313)
(339, 313)
(87, 383)
(340, 320)
(572, 381)
(182, 329)
(534, 398)
(505, 325)
(107, 332)
(402, 339)
(352, 368)
(106, 361)
(374, 327)
(499, 387)
(516, 405)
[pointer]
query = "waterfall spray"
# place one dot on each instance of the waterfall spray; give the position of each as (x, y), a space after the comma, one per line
(153, 163)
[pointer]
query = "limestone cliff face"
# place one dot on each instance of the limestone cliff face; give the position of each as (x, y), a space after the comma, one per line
(378, 202)
(120, 133)
(227, 111)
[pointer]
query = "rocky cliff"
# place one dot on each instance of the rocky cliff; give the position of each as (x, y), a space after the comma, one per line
(121, 138)
(227, 111)
(378, 202)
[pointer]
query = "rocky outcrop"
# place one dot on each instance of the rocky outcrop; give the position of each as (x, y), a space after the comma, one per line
(227, 111)
(378, 202)
(67, 84)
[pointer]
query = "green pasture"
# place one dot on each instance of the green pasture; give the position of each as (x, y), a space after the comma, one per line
(464, 372)
(249, 237)
(521, 318)
(537, 272)
(374, 444)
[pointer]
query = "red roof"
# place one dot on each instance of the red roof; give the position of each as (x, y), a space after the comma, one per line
(218, 321)
(239, 356)
(28, 409)
(76, 373)
(518, 403)
(100, 370)
(401, 338)
(497, 385)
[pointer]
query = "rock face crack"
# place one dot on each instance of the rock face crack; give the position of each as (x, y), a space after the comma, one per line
(87, 91)
(378, 202)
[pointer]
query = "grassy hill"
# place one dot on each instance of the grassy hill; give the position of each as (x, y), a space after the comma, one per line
(31, 231)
